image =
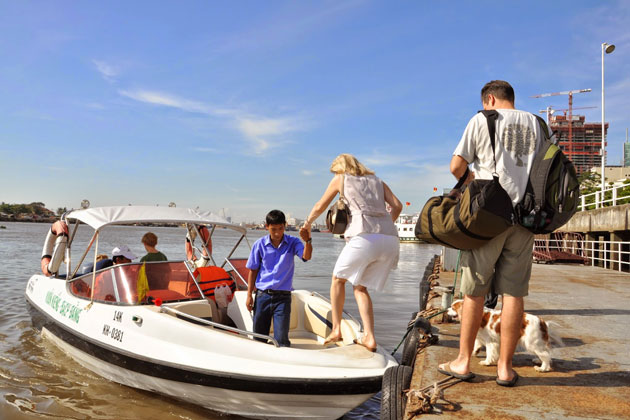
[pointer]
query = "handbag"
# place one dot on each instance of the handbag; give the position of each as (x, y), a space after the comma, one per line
(338, 215)
(469, 216)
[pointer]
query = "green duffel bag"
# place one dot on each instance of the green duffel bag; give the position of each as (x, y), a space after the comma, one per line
(468, 217)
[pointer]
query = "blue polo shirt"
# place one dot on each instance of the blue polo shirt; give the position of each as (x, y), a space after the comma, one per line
(275, 265)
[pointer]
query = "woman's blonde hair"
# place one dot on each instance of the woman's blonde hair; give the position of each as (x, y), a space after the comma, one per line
(345, 163)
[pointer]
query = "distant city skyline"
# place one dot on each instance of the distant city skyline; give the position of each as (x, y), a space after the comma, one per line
(242, 106)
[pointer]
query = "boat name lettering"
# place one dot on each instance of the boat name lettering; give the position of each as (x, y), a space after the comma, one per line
(114, 333)
(65, 308)
(118, 316)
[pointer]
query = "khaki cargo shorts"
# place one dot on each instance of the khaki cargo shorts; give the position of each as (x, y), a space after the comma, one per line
(504, 263)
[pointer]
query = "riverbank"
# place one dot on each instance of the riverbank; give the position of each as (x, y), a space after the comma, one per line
(591, 373)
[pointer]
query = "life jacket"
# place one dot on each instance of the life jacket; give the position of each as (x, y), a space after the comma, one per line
(210, 278)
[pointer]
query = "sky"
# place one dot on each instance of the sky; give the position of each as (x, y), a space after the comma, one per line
(240, 107)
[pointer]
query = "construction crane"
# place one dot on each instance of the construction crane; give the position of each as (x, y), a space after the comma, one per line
(570, 117)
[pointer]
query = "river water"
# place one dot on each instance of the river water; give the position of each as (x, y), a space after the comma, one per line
(37, 380)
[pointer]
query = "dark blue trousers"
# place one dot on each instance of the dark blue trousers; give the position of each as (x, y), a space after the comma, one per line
(278, 308)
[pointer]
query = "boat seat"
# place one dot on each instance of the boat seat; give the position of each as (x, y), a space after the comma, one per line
(165, 294)
(318, 318)
(237, 311)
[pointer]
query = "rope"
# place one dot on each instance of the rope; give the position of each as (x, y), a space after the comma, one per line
(412, 322)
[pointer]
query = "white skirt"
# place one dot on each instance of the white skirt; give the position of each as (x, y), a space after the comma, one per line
(367, 259)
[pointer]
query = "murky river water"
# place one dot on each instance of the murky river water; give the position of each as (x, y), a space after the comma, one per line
(37, 380)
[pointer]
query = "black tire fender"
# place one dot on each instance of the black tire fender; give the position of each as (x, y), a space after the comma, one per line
(396, 380)
(410, 348)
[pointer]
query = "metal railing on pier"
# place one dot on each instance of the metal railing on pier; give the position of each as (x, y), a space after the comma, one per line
(612, 196)
(613, 255)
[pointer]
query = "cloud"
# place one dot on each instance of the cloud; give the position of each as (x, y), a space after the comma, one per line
(263, 133)
(173, 101)
(106, 70)
(307, 172)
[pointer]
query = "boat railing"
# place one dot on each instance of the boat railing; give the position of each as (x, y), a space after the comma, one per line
(319, 295)
(248, 334)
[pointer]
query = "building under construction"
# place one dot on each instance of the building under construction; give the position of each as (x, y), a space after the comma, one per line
(580, 141)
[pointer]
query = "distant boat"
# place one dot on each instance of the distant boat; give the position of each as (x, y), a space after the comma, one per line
(406, 225)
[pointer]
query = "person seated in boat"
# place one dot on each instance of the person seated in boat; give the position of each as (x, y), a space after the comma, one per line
(271, 268)
(205, 239)
(122, 255)
(150, 240)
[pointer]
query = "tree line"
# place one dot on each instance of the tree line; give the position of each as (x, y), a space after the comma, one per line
(37, 208)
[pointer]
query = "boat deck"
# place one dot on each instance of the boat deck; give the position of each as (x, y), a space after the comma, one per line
(591, 374)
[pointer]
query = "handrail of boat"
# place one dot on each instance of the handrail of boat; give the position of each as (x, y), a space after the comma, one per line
(248, 334)
(236, 271)
(319, 295)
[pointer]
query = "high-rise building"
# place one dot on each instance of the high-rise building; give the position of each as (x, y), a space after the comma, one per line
(584, 149)
(626, 154)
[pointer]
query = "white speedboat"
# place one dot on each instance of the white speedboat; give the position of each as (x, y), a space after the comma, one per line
(153, 327)
(406, 225)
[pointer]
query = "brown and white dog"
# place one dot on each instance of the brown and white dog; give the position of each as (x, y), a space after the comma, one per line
(536, 336)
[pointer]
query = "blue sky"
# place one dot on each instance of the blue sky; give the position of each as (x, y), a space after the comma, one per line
(242, 105)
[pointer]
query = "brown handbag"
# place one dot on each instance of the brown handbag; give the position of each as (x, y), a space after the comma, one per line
(338, 215)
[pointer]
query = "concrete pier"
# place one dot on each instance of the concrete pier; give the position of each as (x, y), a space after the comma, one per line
(591, 374)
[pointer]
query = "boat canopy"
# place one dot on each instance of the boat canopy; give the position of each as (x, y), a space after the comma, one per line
(98, 217)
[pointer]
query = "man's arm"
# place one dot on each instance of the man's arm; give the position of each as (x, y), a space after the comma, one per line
(251, 287)
(308, 246)
(458, 168)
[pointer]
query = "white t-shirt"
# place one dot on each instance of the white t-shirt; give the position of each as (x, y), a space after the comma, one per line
(518, 137)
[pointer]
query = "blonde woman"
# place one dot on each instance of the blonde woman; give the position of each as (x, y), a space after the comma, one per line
(372, 245)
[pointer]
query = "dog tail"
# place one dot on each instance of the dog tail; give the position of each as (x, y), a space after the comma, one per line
(554, 337)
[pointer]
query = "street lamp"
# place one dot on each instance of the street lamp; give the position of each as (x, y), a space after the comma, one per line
(606, 48)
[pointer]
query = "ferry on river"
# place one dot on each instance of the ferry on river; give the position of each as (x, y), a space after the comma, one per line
(158, 326)
(405, 225)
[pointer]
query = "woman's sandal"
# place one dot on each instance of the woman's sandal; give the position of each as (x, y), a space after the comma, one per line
(359, 342)
(332, 340)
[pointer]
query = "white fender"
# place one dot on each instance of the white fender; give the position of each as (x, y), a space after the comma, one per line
(203, 260)
(49, 244)
(55, 250)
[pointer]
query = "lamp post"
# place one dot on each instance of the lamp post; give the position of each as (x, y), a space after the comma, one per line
(606, 49)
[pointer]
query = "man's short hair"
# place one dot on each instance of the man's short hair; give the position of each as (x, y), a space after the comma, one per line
(117, 258)
(500, 89)
(275, 217)
(150, 239)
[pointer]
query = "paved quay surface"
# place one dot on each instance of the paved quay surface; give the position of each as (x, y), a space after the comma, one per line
(591, 374)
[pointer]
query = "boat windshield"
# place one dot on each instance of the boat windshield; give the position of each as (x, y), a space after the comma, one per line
(124, 284)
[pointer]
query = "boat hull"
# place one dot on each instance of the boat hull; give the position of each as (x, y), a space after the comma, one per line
(250, 395)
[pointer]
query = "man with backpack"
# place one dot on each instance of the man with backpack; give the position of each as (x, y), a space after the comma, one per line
(504, 263)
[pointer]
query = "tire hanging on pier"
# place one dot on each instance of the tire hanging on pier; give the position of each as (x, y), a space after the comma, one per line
(410, 348)
(396, 380)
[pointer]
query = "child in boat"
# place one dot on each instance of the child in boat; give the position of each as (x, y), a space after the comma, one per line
(271, 276)
(150, 240)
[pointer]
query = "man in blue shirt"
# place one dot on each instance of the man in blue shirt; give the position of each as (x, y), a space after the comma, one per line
(271, 276)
